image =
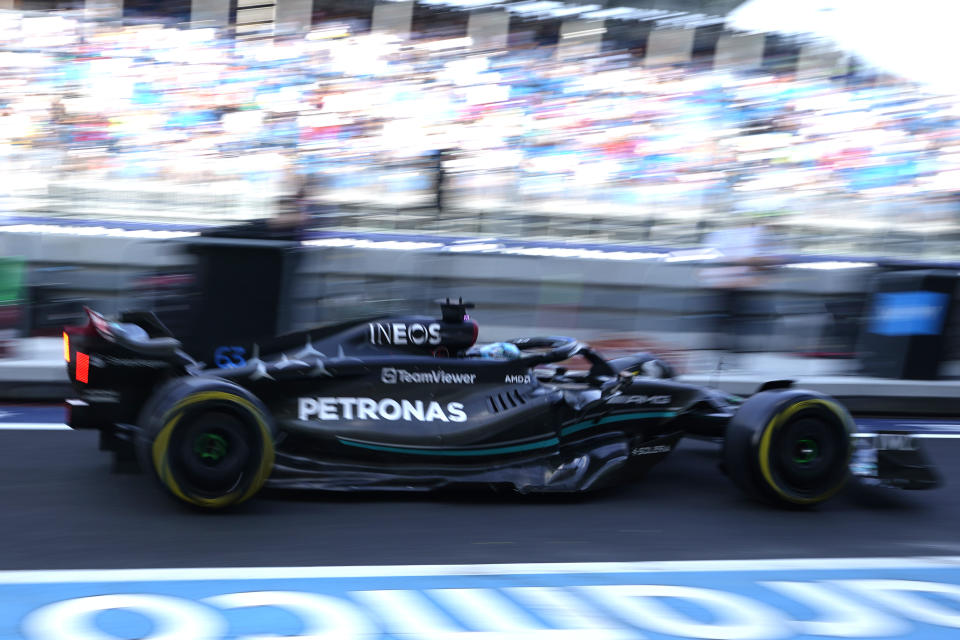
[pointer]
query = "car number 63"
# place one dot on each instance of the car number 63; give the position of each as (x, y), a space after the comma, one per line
(229, 357)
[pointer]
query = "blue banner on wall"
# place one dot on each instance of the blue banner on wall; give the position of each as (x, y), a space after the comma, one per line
(909, 313)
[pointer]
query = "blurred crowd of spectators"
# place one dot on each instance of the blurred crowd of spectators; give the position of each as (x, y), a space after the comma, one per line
(364, 117)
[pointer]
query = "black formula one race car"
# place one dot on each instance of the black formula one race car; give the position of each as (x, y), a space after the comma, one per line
(409, 403)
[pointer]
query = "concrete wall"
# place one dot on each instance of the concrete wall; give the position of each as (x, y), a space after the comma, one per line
(515, 295)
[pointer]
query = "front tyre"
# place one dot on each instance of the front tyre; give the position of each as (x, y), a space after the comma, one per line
(789, 447)
(208, 441)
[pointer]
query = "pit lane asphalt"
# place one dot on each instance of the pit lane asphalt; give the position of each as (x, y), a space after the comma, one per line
(62, 509)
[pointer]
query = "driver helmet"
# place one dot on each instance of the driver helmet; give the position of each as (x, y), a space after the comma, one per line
(496, 351)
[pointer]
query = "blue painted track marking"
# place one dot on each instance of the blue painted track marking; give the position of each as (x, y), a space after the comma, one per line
(31, 414)
(21, 416)
(796, 599)
(17, 417)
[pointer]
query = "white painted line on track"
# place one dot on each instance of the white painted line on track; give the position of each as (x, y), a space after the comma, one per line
(266, 573)
(34, 426)
(928, 436)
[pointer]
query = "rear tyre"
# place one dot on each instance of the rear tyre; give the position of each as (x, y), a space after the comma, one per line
(789, 447)
(208, 441)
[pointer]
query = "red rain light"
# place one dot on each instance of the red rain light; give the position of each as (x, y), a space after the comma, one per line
(83, 367)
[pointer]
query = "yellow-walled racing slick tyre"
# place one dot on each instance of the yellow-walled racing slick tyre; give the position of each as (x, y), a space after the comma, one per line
(209, 442)
(789, 447)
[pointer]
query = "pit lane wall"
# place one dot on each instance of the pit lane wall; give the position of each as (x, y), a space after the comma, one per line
(516, 292)
(589, 298)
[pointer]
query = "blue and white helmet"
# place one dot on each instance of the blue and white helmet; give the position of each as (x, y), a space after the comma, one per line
(496, 351)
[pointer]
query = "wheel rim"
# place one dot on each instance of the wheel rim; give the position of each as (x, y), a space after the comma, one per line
(810, 457)
(214, 453)
(210, 448)
(805, 451)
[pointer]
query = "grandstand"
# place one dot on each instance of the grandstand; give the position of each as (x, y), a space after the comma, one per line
(564, 120)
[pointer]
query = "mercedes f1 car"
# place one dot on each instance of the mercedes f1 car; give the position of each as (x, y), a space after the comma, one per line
(410, 403)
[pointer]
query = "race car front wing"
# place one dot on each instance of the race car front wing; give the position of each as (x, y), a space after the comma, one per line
(894, 459)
